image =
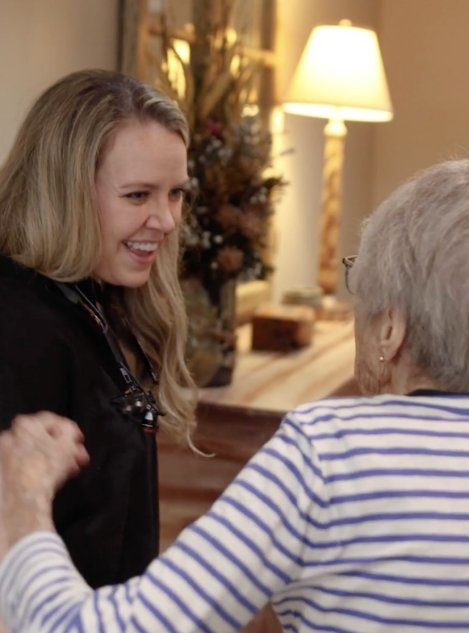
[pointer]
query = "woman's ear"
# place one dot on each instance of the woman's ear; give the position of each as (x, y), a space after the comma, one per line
(391, 334)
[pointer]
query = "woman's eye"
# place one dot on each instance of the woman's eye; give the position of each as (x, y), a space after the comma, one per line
(137, 196)
(178, 194)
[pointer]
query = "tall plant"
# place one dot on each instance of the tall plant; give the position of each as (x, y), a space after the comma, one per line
(230, 153)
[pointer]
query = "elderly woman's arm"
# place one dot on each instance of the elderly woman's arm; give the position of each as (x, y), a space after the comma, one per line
(215, 577)
(37, 455)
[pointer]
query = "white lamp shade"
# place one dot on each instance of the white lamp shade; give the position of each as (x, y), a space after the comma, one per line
(340, 75)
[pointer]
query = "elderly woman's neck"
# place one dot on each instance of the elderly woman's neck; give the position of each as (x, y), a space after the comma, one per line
(401, 386)
(405, 376)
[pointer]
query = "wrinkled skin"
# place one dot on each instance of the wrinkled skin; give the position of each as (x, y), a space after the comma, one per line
(37, 455)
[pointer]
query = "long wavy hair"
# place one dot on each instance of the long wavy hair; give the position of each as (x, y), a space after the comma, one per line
(49, 219)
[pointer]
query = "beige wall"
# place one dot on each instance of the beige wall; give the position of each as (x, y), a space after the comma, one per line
(426, 47)
(41, 40)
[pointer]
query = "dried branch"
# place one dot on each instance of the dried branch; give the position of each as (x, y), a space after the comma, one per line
(226, 231)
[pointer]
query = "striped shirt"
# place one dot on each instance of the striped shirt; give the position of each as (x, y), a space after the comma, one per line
(353, 518)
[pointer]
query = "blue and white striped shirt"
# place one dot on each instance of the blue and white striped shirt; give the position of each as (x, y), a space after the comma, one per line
(353, 518)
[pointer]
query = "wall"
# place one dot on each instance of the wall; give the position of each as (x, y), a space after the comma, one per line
(426, 49)
(297, 216)
(41, 40)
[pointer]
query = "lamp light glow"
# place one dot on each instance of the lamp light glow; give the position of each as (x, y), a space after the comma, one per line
(340, 74)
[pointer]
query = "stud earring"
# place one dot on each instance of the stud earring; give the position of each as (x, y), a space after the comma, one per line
(381, 359)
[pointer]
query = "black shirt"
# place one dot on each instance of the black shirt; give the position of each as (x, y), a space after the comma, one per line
(53, 356)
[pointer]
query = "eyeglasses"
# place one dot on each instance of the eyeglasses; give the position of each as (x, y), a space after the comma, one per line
(348, 263)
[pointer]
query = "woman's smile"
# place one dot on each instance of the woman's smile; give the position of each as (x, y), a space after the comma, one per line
(143, 253)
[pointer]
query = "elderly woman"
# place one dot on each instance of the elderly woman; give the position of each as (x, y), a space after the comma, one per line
(353, 517)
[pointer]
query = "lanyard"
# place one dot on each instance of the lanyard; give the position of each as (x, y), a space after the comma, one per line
(135, 403)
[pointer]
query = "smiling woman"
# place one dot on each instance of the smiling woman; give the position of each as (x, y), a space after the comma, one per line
(92, 321)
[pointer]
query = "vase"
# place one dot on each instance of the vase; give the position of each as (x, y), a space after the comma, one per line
(211, 342)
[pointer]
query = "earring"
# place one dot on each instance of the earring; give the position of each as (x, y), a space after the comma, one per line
(381, 359)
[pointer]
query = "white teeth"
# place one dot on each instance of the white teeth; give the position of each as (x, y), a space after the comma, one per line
(142, 246)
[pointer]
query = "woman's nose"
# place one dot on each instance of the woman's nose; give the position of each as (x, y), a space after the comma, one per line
(161, 218)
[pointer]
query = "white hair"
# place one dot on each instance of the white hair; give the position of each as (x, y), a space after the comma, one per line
(414, 256)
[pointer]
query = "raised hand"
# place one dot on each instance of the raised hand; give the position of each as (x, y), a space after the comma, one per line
(37, 455)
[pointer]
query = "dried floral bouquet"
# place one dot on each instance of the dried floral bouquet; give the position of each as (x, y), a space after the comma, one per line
(226, 233)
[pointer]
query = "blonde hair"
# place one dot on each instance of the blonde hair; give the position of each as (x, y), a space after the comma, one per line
(49, 221)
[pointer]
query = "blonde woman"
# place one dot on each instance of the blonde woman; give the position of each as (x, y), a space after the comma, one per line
(92, 324)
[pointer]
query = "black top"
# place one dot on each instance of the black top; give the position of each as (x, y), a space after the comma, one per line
(53, 356)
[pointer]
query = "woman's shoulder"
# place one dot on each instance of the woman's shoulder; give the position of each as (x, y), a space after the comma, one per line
(344, 410)
(24, 295)
(328, 408)
(31, 308)
(373, 410)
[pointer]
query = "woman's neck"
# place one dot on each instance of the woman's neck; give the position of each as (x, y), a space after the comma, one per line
(405, 376)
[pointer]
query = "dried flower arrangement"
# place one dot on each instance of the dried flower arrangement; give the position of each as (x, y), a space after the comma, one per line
(230, 153)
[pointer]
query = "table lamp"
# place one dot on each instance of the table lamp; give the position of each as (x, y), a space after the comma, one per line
(340, 77)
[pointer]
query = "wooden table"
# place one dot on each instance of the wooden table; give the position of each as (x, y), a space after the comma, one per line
(234, 421)
(276, 382)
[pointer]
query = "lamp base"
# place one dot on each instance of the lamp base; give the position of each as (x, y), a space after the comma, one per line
(334, 309)
(327, 307)
(304, 295)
